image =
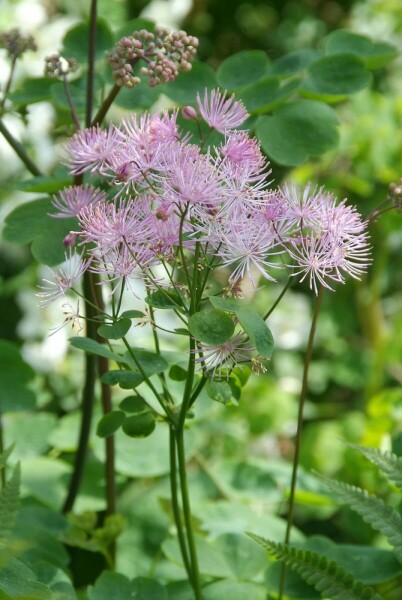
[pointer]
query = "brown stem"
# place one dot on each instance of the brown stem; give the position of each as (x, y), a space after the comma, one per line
(71, 104)
(303, 395)
(91, 63)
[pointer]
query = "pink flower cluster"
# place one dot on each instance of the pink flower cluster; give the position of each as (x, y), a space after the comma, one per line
(163, 192)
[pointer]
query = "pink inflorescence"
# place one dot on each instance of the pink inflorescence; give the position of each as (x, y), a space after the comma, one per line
(166, 193)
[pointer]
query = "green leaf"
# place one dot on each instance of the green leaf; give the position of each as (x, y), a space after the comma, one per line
(151, 362)
(110, 423)
(134, 404)
(18, 582)
(325, 575)
(241, 69)
(294, 62)
(133, 25)
(148, 589)
(48, 247)
(92, 347)
(31, 90)
(390, 464)
(44, 184)
(15, 375)
(29, 432)
(140, 96)
(336, 75)
(297, 131)
(257, 330)
(235, 590)
(371, 565)
(116, 330)
(141, 425)
(177, 373)
(267, 94)
(111, 586)
(227, 304)
(44, 478)
(185, 88)
(166, 299)
(127, 380)
(373, 510)
(75, 42)
(220, 391)
(212, 327)
(9, 505)
(243, 557)
(27, 221)
(132, 314)
(374, 54)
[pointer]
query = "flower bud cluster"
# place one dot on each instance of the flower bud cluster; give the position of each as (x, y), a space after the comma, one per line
(57, 66)
(16, 44)
(165, 54)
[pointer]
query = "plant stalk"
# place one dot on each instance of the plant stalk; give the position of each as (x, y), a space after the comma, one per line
(175, 501)
(88, 393)
(302, 400)
(19, 150)
(91, 63)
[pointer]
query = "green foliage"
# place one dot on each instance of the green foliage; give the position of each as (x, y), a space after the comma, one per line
(253, 325)
(116, 330)
(165, 299)
(389, 463)
(30, 223)
(297, 131)
(373, 510)
(9, 506)
(140, 425)
(15, 377)
(242, 69)
(110, 423)
(325, 575)
(76, 40)
(212, 327)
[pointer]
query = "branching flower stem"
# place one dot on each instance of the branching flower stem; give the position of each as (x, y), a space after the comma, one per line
(302, 400)
(19, 150)
(73, 110)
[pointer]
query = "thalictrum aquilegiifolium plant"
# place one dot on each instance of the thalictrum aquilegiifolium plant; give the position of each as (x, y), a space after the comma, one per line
(173, 203)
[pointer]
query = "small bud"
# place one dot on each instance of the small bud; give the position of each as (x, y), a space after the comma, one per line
(189, 113)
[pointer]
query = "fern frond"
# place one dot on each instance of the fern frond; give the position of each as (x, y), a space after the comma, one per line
(390, 464)
(4, 456)
(9, 505)
(330, 579)
(373, 510)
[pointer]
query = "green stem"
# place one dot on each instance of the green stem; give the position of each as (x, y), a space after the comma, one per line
(71, 104)
(91, 63)
(106, 104)
(187, 512)
(86, 407)
(175, 501)
(279, 298)
(302, 400)
(179, 433)
(19, 150)
(9, 80)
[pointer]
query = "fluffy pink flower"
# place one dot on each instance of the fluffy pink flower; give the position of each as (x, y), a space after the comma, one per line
(63, 278)
(91, 149)
(221, 112)
(70, 201)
